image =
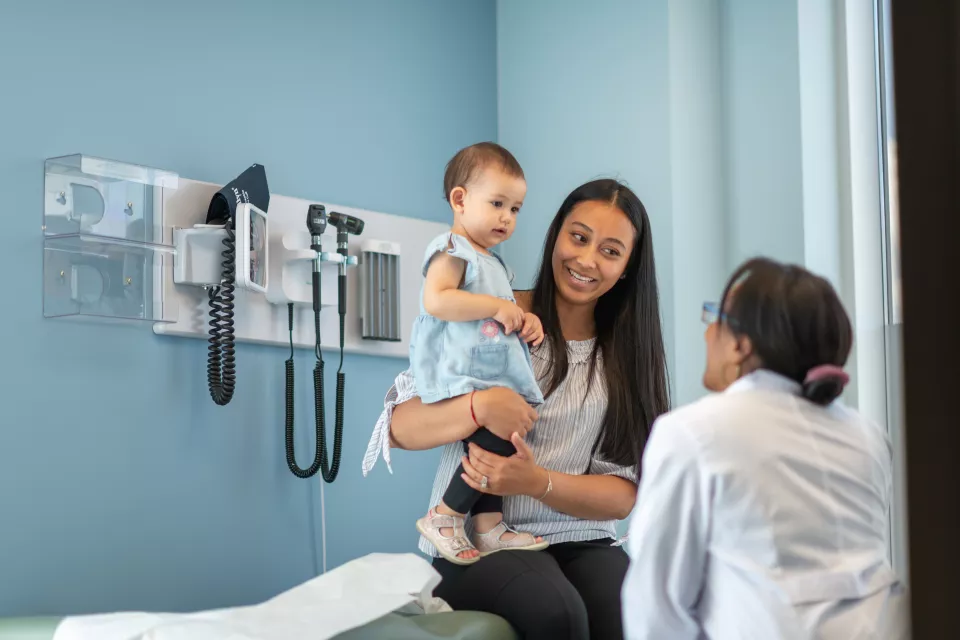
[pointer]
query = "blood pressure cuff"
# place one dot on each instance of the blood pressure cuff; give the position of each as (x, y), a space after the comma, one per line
(250, 186)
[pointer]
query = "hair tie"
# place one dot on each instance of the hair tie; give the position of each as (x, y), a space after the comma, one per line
(827, 371)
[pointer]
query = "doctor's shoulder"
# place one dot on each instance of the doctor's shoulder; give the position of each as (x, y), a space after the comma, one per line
(702, 421)
(875, 434)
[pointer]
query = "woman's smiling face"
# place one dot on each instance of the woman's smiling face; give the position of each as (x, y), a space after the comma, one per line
(592, 251)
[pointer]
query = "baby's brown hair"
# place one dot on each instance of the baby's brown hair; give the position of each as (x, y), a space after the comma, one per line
(471, 160)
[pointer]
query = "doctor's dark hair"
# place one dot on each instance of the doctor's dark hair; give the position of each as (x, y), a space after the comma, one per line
(795, 321)
(470, 161)
(629, 336)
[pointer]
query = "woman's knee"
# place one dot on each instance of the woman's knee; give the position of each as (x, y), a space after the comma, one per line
(564, 617)
(545, 607)
(528, 590)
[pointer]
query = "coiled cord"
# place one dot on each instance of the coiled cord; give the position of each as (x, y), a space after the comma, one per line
(331, 474)
(329, 470)
(310, 471)
(321, 459)
(221, 369)
(332, 468)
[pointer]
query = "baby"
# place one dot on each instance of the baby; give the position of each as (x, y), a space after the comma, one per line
(470, 335)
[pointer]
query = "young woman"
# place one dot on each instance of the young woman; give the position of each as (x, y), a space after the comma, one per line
(602, 370)
(764, 509)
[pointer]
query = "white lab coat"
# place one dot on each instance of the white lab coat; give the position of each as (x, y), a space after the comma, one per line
(763, 516)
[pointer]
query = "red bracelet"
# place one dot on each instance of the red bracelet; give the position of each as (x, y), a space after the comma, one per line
(472, 414)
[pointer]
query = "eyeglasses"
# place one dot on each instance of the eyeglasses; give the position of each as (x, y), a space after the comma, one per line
(711, 313)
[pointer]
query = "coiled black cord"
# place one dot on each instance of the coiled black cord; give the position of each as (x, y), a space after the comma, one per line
(330, 474)
(221, 369)
(321, 459)
(291, 448)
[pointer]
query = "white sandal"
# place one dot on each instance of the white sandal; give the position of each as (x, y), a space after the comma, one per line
(493, 541)
(429, 527)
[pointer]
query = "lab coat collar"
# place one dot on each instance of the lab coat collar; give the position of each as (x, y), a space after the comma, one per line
(767, 380)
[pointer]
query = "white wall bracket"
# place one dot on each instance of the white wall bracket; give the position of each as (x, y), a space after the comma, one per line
(262, 319)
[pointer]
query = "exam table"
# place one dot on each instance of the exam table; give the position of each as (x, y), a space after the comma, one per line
(456, 625)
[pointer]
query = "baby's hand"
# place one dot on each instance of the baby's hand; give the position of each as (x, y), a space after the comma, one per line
(510, 316)
(532, 329)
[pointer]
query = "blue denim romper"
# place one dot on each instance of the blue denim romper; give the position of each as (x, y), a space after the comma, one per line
(450, 359)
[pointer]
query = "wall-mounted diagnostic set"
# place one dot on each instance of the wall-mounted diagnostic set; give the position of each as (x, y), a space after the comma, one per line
(231, 263)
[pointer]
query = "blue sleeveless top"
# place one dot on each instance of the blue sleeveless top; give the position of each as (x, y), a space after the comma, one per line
(450, 359)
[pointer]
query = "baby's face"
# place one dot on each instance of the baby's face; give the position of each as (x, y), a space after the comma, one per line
(490, 206)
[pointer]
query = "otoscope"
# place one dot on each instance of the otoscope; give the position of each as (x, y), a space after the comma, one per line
(345, 224)
(317, 220)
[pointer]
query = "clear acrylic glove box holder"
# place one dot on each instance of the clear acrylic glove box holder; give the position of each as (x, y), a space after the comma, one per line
(104, 250)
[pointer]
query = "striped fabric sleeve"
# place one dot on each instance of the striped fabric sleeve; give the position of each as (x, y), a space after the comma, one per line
(600, 467)
(403, 389)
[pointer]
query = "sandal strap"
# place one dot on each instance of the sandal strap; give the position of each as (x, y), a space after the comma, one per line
(458, 541)
(494, 538)
(441, 521)
(502, 528)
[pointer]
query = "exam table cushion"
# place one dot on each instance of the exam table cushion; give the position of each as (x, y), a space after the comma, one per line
(457, 625)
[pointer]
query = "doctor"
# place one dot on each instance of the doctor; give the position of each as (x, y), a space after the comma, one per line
(763, 510)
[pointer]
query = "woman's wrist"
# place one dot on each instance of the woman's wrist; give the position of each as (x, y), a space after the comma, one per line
(541, 485)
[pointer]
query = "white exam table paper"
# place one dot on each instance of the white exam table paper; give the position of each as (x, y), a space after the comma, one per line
(345, 598)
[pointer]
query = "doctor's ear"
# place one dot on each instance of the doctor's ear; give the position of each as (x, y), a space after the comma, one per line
(744, 348)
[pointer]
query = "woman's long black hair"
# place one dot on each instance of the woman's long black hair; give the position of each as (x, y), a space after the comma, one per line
(629, 334)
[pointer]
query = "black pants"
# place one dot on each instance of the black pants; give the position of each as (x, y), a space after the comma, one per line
(463, 498)
(569, 591)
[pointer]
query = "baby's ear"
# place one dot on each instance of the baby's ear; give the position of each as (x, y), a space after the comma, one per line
(457, 197)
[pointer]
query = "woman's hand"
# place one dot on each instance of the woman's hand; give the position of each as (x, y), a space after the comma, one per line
(512, 476)
(503, 412)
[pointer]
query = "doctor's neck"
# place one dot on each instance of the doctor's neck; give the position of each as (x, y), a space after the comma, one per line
(750, 365)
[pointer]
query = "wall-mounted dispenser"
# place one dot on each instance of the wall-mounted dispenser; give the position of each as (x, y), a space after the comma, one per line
(380, 290)
(104, 250)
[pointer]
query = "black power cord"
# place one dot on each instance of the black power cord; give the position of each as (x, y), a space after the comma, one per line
(320, 460)
(221, 361)
(331, 474)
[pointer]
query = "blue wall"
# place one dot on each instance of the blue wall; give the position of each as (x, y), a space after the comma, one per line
(584, 93)
(699, 227)
(762, 129)
(122, 486)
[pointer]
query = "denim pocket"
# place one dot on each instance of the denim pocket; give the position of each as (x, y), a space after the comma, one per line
(488, 361)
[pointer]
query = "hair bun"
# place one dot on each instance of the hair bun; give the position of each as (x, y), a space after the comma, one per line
(824, 390)
(824, 384)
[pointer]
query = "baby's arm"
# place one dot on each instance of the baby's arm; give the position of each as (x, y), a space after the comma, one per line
(532, 330)
(443, 298)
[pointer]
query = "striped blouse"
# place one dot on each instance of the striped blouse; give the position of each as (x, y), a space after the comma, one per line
(561, 440)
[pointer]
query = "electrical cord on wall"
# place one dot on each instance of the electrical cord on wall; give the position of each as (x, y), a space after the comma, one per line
(221, 368)
(323, 527)
(320, 456)
(250, 187)
(321, 460)
(291, 449)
